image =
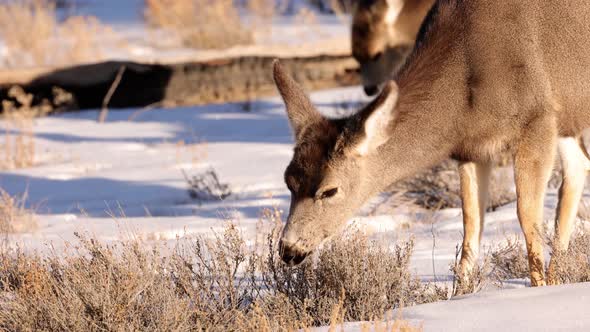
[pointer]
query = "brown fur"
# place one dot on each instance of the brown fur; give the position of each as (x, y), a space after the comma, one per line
(486, 76)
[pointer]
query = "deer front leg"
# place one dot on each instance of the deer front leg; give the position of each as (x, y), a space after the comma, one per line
(533, 163)
(474, 179)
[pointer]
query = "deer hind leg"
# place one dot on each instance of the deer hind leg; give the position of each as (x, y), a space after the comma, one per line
(533, 163)
(474, 179)
(575, 164)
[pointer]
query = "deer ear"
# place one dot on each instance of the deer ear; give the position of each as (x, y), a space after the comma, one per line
(300, 110)
(376, 118)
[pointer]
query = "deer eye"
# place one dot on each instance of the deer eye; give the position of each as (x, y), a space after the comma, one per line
(328, 193)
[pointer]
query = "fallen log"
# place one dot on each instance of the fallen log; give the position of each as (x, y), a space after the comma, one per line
(196, 83)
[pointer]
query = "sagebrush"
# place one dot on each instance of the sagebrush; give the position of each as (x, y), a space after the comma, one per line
(35, 37)
(215, 284)
(200, 23)
(19, 110)
(508, 261)
(15, 217)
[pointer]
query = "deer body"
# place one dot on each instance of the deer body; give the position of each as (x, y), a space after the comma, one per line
(485, 77)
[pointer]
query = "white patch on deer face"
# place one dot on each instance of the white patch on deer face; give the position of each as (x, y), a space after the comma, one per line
(394, 8)
(377, 122)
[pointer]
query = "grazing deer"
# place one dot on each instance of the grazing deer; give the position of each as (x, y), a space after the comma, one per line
(485, 77)
(383, 35)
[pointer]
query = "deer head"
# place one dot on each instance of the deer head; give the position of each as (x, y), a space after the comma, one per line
(334, 166)
(383, 34)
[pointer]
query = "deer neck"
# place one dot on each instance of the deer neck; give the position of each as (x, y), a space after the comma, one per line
(424, 132)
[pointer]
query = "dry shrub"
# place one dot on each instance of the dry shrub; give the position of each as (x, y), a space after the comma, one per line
(570, 266)
(509, 261)
(18, 147)
(265, 10)
(436, 188)
(573, 264)
(370, 278)
(18, 113)
(474, 281)
(84, 36)
(207, 186)
(32, 33)
(95, 289)
(214, 284)
(497, 264)
(14, 216)
(27, 27)
(439, 188)
(206, 24)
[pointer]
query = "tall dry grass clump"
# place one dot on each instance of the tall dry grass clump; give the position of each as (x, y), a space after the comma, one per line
(18, 146)
(19, 109)
(571, 265)
(214, 284)
(367, 277)
(208, 24)
(14, 216)
(508, 261)
(34, 37)
(498, 263)
(27, 26)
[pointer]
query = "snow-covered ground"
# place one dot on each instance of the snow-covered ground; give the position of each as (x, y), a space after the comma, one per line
(558, 308)
(129, 38)
(124, 179)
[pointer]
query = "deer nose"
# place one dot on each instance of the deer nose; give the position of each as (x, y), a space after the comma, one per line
(291, 253)
(371, 90)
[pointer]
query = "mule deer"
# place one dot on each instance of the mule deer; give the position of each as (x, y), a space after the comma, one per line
(485, 77)
(383, 35)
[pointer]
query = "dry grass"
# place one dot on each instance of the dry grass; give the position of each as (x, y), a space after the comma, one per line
(208, 24)
(213, 24)
(436, 188)
(18, 148)
(497, 264)
(218, 284)
(572, 265)
(508, 261)
(439, 188)
(14, 216)
(18, 114)
(84, 36)
(31, 32)
(27, 27)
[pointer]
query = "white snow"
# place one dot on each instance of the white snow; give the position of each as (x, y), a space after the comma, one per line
(557, 308)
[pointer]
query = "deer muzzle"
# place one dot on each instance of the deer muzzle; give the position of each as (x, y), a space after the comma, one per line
(291, 253)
